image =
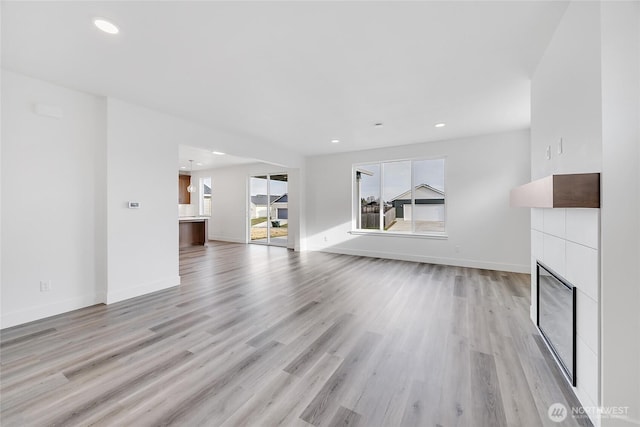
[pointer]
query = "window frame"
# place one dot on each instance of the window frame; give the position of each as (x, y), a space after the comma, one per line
(355, 202)
(201, 196)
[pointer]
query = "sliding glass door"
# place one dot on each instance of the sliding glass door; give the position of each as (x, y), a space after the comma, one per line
(269, 209)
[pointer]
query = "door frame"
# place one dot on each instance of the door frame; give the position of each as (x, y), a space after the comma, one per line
(268, 241)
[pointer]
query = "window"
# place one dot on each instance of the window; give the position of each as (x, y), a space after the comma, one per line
(404, 197)
(205, 196)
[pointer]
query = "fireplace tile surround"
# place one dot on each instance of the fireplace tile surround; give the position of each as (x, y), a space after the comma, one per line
(567, 241)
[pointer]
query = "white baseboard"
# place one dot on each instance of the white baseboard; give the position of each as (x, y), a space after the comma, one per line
(139, 290)
(47, 310)
(223, 238)
(516, 268)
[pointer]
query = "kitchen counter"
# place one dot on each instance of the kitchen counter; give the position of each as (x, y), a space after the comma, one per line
(193, 231)
(193, 218)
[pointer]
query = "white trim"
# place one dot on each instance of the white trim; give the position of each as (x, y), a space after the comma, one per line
(403, 159)
(437, 236)
(412, 192)
(356, 196)
(223, 238)
(47, 310)
(381, 211)
(143, 289)
(269, 205)
(515, 268)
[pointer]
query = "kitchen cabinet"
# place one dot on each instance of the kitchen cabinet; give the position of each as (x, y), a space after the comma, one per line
(184, 197)
(193, 231)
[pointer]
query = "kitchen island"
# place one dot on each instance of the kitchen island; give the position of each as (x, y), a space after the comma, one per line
(193, 231)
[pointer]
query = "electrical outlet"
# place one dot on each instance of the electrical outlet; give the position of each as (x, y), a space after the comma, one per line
(457, 249)
(326, 239)
(45, 285)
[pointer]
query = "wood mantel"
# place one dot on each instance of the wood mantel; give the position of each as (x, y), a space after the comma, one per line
(580, 190)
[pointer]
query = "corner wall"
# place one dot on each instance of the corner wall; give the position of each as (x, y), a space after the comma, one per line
(566, 119)
(142, 245)
(620, 22)
(483, 231)
(586, 91)
(52, 195)
(65, 186)
(142, 166)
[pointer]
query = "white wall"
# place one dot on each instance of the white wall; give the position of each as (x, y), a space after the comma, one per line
(230, 203)
(52, 193)
(566, 97)
(620, 24)
(566, 103)
(142, 166)
(586, 90)
(479, 173)
(65, 185)
(142, 148)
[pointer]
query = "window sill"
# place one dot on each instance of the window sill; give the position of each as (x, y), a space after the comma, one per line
(434, 236)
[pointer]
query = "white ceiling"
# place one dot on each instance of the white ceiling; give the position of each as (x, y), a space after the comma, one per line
(205, 159)
(298, 74)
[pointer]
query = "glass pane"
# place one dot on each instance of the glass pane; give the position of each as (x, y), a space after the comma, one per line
(428, 210)
(396, 193)
(555, 316)
(279, 209)
(368, 196)
(205, 200)
(259, 208)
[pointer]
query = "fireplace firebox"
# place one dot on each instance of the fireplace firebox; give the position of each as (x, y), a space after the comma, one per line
(556, 318)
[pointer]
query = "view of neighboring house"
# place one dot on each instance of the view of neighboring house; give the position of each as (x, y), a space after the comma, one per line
(206, 199)
(278, 205)
(427, 214)
(429, 204)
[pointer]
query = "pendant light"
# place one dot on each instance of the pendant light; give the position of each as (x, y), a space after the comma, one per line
(191, 188)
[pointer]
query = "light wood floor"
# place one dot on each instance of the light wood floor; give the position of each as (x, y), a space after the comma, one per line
(261, 336)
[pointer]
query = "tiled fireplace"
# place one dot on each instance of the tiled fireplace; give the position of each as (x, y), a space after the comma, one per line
(566, 240)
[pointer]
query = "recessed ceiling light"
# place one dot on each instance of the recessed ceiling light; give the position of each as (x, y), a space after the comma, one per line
(106, 26)
(198, 164)
(440, 125)
(335, 141)
(183, 167)
(218, 153)
(378, 125)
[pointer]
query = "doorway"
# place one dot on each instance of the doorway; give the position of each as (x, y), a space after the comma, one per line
(269, 209)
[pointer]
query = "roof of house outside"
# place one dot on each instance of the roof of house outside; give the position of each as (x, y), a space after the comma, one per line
(261, 199)
(407, 194)
(282, 199)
